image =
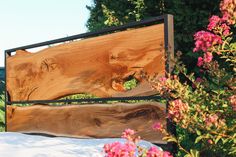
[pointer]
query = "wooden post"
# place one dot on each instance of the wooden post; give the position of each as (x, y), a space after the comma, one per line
(169, 46)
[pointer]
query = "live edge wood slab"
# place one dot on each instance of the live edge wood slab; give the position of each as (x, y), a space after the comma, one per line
(97, 66)
(88, 121)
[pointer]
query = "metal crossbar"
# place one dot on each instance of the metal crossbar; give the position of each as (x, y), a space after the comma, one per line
(94, 100)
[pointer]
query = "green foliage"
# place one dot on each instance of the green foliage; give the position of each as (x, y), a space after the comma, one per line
(130, 84)
(104, 13)
(208, 125)
(204, 110)
(2, 107)
(2, 114)
(203, 104)
(189, 17)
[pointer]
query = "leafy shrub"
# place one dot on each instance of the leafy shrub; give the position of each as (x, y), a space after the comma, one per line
(204, 106)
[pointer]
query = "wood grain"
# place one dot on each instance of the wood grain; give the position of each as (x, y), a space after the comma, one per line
(97, 66)
(88, 121)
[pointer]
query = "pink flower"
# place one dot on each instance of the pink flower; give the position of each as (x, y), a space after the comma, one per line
(162, 79)
(160, 85)
(130, 149)
(127, 134)
(205, 40)
(154, 152)
(167, 154)
(226, 29)
(232, 100)
(198, 80)
(177, 109)
(226, 33)
(200, 61)
(228, 9)
(157, 126)
(198, 43)
(217, 23)
(207, 57)
(211, 119)
(224, 26)
(210, 141)
(225, 17)
(118, 149)
(213, 22)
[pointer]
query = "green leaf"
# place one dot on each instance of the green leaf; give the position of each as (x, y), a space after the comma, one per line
(169, 139)
(217, 139)
(194, 153)
(225, 105)
(198, 132)
(224, 140)
(199, 138)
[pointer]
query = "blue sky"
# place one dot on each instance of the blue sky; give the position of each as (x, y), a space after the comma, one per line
(26, 22)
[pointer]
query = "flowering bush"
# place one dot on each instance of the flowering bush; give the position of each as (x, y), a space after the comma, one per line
(203, 106)
(131, 149)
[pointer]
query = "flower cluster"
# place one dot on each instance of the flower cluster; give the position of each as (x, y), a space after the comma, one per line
(160, 84)
(118, 149)
(228, 8)
(214, 120)
(232, 100)
(212, 41)
(157, 126)
(213, 22)
(219, 25)
(130, 148)
(205, 41)
(127, 134)
(163, 84)
(203, 104)
(211, 120)
(155, 152)
(177, 110)
(207, 58)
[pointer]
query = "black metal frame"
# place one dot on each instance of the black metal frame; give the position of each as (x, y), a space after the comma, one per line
(169, 47)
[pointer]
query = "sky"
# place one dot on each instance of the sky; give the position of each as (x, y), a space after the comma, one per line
(25, 22)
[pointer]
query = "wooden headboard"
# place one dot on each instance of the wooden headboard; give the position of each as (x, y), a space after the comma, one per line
(99, 65)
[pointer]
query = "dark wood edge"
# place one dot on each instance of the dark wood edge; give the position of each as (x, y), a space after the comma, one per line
(169, 46)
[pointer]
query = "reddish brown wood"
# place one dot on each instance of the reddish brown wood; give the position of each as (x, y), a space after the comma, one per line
(96, 120)
(98, 66)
